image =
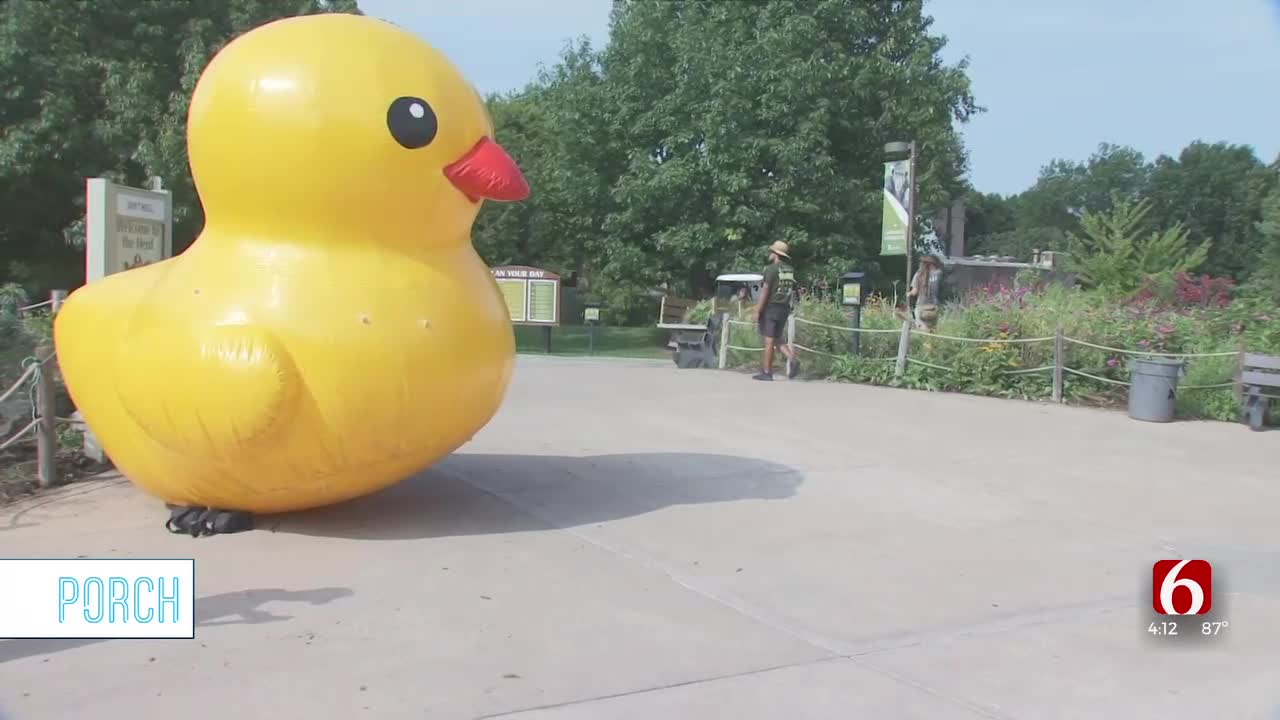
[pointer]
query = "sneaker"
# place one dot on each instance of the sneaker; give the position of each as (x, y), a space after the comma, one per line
(794, 370)
(762, 376)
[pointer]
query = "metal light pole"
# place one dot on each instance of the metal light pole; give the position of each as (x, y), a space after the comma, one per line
(897, 149)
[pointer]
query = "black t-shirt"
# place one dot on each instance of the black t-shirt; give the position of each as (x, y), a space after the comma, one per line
(781, 281)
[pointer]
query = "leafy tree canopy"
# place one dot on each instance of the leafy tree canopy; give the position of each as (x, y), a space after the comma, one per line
(705, 131)
(102, 89)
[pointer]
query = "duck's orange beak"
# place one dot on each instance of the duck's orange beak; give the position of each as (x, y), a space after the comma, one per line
(487, 172)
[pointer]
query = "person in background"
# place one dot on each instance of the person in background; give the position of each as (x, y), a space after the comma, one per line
(925, 289)
(774, 308)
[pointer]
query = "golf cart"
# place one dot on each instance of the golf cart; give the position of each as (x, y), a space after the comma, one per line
(735, 291)
(696, 345)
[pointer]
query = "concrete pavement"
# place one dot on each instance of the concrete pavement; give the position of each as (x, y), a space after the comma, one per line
(625, 541)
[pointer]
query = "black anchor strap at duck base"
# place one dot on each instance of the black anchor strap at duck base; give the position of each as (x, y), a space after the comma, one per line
(201, 521)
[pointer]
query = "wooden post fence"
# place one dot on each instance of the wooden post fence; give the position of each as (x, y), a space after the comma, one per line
(47, 429)
(904, 345)
(791, 338)
(724, 340)
(47, 403)
(1059, 362)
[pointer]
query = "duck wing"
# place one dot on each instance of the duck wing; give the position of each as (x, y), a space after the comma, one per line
(221, 391)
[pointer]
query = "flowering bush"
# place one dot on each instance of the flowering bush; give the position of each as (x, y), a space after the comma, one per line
(1185, 291)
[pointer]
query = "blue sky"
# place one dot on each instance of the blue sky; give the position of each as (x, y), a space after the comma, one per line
(1056, 76)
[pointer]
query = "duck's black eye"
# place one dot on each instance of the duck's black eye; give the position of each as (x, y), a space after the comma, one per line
(412, 122)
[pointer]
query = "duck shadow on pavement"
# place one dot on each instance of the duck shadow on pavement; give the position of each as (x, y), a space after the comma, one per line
(244, 607)
(476, 494)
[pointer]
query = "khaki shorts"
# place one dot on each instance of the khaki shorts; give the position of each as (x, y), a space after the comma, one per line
(927, 314)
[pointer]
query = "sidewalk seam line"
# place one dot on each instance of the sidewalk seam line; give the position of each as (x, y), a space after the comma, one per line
(659, 688)
(836, 648)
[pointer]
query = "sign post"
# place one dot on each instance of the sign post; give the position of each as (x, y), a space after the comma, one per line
(125, 228)
(532, 295)
(591, 315)
(851, 296)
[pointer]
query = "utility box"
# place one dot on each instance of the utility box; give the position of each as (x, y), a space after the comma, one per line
(853, 289)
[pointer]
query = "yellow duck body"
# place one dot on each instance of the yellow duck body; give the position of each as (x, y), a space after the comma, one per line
(332, 330)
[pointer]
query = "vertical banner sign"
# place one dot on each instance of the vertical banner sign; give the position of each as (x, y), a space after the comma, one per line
(897, 191)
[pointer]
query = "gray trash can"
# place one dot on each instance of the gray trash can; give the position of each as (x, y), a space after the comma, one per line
(1153, 392)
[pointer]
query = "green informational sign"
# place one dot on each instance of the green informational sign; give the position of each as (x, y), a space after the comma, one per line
(897, 197)
(514, 292)
(542, 300)
(532, 294)
(852, 294)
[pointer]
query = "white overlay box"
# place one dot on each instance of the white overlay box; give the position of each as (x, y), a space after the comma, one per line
(97, 598)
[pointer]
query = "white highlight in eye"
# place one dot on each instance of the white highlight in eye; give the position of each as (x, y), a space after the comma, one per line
(417, 110)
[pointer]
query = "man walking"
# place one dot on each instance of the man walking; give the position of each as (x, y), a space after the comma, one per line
(774, 308)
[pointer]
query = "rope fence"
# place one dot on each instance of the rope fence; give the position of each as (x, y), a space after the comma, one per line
(37, 379)
(984, 341)
(1028, 371)
(798, 346)
(943, 368)
(1058, 368)
(844, 327)
(36, 306)
(1146, 353)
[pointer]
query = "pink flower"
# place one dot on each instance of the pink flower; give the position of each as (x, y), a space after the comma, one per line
(1144, 343)
(1112, 362)
(1164, 329)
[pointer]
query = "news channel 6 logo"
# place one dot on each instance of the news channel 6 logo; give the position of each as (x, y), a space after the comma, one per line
(1182, 601)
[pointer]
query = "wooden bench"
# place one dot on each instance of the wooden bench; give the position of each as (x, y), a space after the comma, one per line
(694, 345)
(1259, 386)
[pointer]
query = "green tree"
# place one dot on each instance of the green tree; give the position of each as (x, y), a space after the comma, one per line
(1019, 244)
(1115, 252)
(1217, 192)
(101, 89)
(556, 131)
(988, 214)
(1066, 190)
(744, 123)
(1265, 280)
(992, 228)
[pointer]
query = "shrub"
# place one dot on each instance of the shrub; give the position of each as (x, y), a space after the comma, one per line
(1094, 321)
(1113, 253)
(1188, 314)
(1185, 291)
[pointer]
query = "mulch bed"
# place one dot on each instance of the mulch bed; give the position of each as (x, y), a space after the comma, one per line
(18, 470)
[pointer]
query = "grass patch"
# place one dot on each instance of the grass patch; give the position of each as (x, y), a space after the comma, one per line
(623, 342)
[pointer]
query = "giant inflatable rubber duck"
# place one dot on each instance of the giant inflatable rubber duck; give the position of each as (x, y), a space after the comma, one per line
(332, 330)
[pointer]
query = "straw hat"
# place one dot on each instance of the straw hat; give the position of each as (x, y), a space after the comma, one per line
(780, 248)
